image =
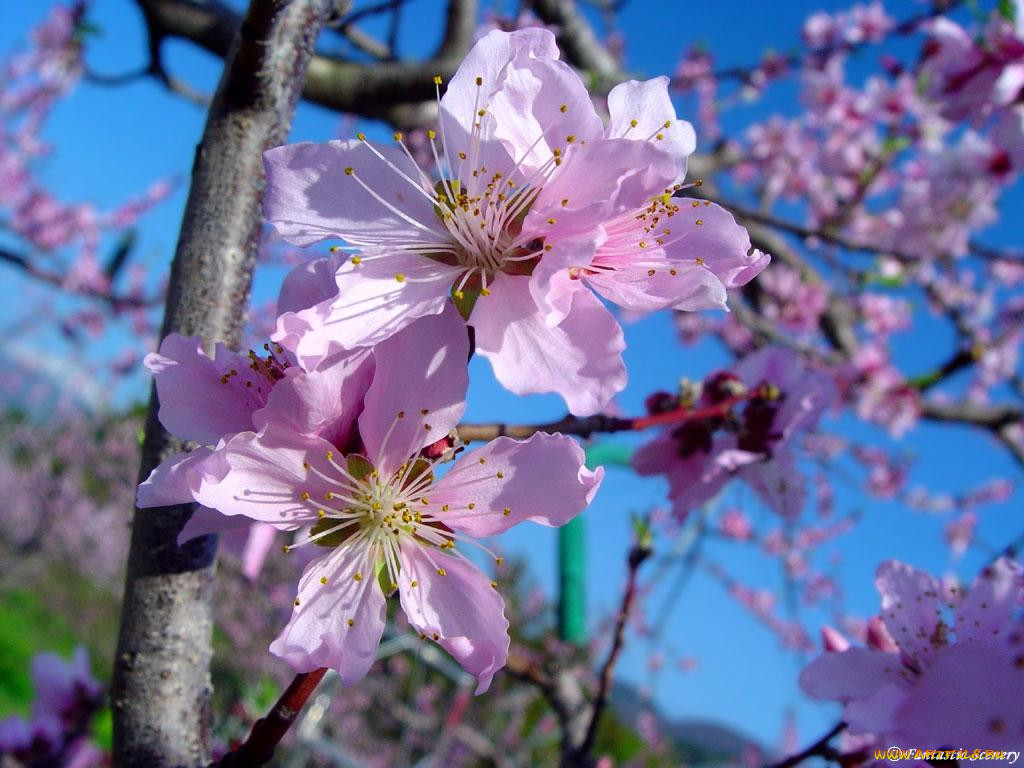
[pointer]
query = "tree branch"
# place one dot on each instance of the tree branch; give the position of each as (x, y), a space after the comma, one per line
(390, 91)
(582, 48)
(161, 691)
(268, 731)
(820, 748)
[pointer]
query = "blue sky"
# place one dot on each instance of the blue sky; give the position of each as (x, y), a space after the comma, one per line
(111, 143)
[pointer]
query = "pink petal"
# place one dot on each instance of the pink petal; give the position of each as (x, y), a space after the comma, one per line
(543, 479)
(687, 287)
(851, 674)
(323, 402)
(177, 478)
(779, 483)
(580, 359)
(419, 393)
(658, 456)
(539, 97)
(196, 401)
(310, 197)
(309, 283)
(987, 611)
(910, 608)
(487, 61)
(383, 294)
(459, 609)
(969, 695)
(257, 547)
(319, 634)
(597, 182)
(649, 104)
(722, 245)
(205, 521)
(266, 477)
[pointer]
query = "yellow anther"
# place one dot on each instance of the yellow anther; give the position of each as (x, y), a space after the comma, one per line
(458, 295)
(564, 108)
(667, 124)
(427, 427)
(659, 136)
(485, 292)
(551, 221)
(500, 475)
(494, 583)
(642, 243)
(351, 622)
(329, 455)
(334, 248)
(499, 560)
(570, 139)
(431, 134)
(357, 576)
(304, 495)
(297, 601)
(699, 260)
(506, 511)
(328, 495)
(399, 277)
(483, 460)
(673, 272)
(633, 123)
(361, 136)
(565, 202)
(479, 81)
(357, 260)
(437, 79)
(442, 572)
(414, 583)
(445, 508)
(471, 505)
(323, 579)
(548, 246)
(321, 514)
(350, 171)
(698, 222)
(397, 135)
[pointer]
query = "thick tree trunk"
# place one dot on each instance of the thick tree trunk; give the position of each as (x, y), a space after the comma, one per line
(161, 686)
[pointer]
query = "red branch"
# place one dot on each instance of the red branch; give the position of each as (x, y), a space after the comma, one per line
(585, 426)
(266, 732)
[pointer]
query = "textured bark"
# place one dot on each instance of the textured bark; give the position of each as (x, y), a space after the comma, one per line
(161, 687)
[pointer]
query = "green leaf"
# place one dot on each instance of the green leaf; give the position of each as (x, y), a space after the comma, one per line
(1007, 10)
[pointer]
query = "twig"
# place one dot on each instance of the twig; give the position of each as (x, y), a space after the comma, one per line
(820, 748)
(268, 731)
(640, 552)
(585, 426)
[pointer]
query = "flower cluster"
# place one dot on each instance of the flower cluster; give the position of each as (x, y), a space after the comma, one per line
(342, 430)
(943, 666)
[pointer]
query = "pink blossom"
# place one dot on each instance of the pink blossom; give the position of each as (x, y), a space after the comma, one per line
(537, 200)
(699, 463)
(927, 679)
(386, 520)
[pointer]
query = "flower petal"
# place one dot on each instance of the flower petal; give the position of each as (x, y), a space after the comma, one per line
(309, 283)
(319, 633)
(267, 477)
(203, 399)
(419, 392)
(910, 608)
(580, 359)
(649, 104)
(323, 402)
(311, 196)
(454, 604)
(990, 605)
(178, 477)
(851, 674)
(778, 482)
(382, 294)
(543, 479)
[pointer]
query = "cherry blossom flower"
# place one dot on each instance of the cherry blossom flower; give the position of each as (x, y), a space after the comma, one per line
(388, 523)
(943, 667)
(699, 462)
(537, 200)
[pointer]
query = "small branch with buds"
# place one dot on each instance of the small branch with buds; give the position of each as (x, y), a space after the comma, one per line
(820, 748)
(585, 426)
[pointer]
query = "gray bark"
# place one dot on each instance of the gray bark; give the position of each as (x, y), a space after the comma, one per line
(161, 686)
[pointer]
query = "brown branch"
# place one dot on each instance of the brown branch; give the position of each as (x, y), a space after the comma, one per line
(268, 731)
(820, 748)
(160, 692)
(391, 91)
